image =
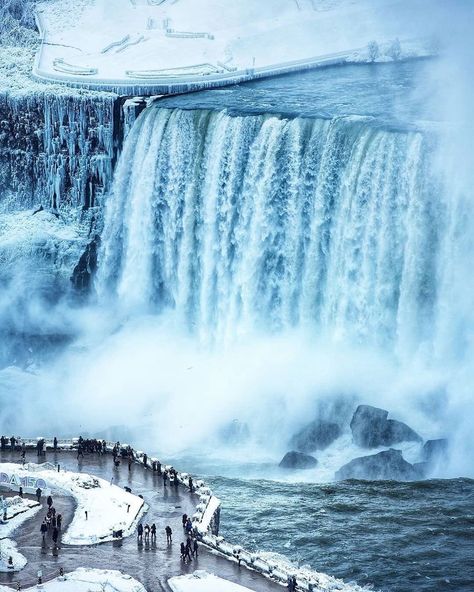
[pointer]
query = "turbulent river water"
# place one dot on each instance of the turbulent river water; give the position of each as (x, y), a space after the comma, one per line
(398, 537)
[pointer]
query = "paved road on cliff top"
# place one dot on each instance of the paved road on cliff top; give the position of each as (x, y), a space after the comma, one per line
(151, 565)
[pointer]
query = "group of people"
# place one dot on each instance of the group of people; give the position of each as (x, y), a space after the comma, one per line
(52, 523)
(90, 445)
(148, 531)
(14, 443)
(189, 549)
(8, 443)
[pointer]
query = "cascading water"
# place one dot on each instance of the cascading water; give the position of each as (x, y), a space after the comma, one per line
(240, 223)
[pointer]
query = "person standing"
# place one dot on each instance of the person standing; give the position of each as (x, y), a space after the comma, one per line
(49, 501)
(153, 533)
(195, 548)
(38, 494)
(55, 536)
(59, 521)
(140, 532)
(44, 530)
(187, 552)
(169, 533)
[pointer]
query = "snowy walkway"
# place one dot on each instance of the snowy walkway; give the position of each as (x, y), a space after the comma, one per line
(152, 565)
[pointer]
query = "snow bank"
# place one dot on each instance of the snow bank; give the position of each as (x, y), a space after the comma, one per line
(8, 549)
(18, 511)
(201, 581)
(108, 507)
(89, 580)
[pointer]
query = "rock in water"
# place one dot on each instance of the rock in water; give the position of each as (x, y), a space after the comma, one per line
(371, 428)
(297, 460)
(388, 464)
(317, 435)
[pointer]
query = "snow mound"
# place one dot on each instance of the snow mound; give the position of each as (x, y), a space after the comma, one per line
(201, 581)
(89, 580)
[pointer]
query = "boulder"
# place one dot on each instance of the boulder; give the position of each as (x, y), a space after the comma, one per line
(317, 435)
(388, 464)
(297, 460)
(435, 450)
(371, 428)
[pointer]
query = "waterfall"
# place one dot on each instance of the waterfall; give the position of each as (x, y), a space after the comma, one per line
(244, 223)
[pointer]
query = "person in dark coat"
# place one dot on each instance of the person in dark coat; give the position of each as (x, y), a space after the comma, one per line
(55, 535)
(195, 548)
(184, 519)
(59, 521)
(49, 501)
(140, 532)
(169, 532)
(187, 552)
(153, 532)
(38, 494)
(183, 551)
(44, 530)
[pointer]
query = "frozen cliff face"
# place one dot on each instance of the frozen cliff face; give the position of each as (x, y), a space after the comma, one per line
(56, 143)
(38, 253)
(54, 151)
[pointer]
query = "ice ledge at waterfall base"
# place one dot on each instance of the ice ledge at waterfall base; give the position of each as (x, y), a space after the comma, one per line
(167, 47)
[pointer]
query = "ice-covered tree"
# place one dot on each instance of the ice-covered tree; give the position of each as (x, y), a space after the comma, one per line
(395, 50)
(373, 49)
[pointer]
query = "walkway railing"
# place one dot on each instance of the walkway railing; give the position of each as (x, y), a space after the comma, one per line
(206, 520)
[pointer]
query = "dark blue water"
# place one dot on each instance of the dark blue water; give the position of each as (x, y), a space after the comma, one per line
(398, 537)
(398, 94)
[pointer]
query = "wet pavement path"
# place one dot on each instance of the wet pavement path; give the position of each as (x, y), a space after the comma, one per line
(150, 564)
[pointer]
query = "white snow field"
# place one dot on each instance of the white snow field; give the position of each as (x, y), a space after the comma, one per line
(18, 510)
(201, 581)
(89, 580)
(177, 45)
(108, 507)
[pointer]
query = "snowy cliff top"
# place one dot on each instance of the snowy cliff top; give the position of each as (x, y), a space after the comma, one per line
(151, 43)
